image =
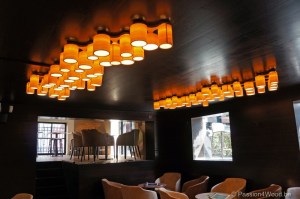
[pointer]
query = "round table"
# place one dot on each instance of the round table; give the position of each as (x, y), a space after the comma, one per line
(213, 195)
(151, 185)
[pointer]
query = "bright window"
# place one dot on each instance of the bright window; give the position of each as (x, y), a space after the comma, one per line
(211, 137)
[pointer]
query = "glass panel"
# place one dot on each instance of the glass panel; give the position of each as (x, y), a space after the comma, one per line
(211, 137)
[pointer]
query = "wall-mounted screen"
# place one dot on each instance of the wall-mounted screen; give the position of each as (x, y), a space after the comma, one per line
(211, 137)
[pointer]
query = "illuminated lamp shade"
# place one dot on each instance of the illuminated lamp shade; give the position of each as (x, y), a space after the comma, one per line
(174, 100)
(115, 55)
(138, 34)
(73, 85)
(214, 89)
(84, 77)
(97, 81)
(179, 103)
(53, 93)
(55, 71)
(65, 93)
(260, 81)
(61, 98)
(90, 52)
(230, 94)
(29, 90)
(184, 102)
(105, 61)
(152, 42)
(189, 104)
(73, 75)
(195, 103)
(249, 86)
(211, 98)
(80, 84)
(52, 81)
(236, 86)
(250, 92)
(34, 81)
(156, 105)
(127, 61)
(226, 89)
(222, 97)
(70, 54)
(205, 91)
(90, 87)
(45, 81)
(64, 67)
(125, 46)
(165, 38)
(168, 101)
(83, 61)
(162, 103)
(101, 45)
(90, 73)
(272, 87)
(239, 93)
(138, 54)
(77, 69)
(205, 103)
(199, 97)
(261, 90)
(173, 106)
(273, 78)
(98, 70)
(66, 78)
(192, 97)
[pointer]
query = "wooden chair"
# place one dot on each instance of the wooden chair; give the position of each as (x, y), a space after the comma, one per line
(193, 187)
(293, 193)
(230, 185)
(166, 194)
(23, 196)
(136, 192)
(171, 179)
(112, 190)
(272, 192)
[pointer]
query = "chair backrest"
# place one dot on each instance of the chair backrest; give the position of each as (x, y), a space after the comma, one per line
(130, 138)
(171, 179)
(136, 192)
(92, 137)
(293, 193)
(165, 194)
(77, 139)
(112, 190)
(272, 192)
(193, 187)
(230, 185)
(23, 196)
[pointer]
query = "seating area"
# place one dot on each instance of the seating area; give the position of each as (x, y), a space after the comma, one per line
(230, 188)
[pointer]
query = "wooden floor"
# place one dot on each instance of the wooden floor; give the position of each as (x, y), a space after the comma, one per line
(99, 160)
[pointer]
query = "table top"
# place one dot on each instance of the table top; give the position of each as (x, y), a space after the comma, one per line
(212, 195)
(151, 185)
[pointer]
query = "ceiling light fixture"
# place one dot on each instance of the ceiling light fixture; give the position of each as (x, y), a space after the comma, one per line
(214, 91)
(81, 64)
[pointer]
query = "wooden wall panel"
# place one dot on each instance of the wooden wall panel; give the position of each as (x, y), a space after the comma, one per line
(264, 141)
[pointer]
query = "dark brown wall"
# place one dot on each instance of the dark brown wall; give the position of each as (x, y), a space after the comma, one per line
(264, 141)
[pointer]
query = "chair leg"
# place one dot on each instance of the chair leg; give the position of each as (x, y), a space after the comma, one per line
(106, 152)
(82, 154)
(72, 153)
(138, 150)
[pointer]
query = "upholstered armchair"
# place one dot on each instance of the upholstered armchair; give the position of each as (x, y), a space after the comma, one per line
(23, 196)
(166, 194)
(92, 139)
(271, 192)
(129, 139)
(171, 179)
(112, 190)
(230, 185)
(193, 187)
(136, 192)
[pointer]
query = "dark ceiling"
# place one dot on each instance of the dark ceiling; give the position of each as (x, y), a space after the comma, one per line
(231, 39)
